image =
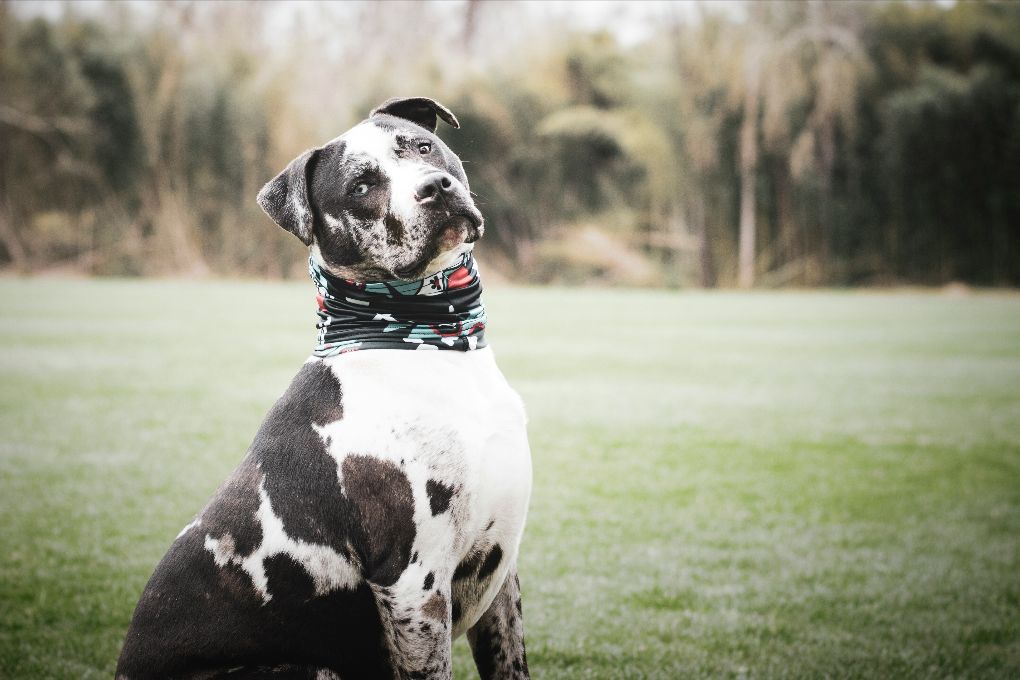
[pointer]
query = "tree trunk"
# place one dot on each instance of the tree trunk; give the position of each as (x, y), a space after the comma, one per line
(705, 258)
(470, 23)
(748, 169)
(15, 250)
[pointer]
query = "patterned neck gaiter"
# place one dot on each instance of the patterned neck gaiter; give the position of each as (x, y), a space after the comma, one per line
(441, 311)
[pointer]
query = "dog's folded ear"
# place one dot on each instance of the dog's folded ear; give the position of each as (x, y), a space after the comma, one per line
(285, 197)
(420, 110)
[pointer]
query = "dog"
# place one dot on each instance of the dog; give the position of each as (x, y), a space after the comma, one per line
(378, 512)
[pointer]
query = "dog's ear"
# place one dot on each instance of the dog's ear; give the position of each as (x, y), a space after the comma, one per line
(420, 110)
(285, 197)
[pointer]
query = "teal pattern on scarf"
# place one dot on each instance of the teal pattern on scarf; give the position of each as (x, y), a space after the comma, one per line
(442, 311)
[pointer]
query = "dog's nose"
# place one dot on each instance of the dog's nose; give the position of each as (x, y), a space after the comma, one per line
(432, 186)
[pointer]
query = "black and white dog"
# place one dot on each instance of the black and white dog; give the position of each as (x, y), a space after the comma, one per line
(378, 513)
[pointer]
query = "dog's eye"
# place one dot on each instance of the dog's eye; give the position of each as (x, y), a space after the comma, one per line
(424, 148)
(361, 188)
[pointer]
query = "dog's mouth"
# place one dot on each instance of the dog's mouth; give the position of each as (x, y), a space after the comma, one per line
(472, 215)
(462, 227)
(459, 228)
(465, 217)
(475, 226)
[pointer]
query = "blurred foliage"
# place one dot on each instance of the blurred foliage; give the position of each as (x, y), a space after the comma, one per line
(841, 143)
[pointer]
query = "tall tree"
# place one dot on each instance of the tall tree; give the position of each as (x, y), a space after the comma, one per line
(749, 162)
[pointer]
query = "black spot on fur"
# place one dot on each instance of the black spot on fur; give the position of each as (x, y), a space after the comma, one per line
(327, 194)
(489, 525)
(429, 580)
(195, 616)
(232, 510)
(496, 640)
(439, 496)
(435, 608)
(492, 561)
(394, 229)
(380, 495)
(300, 477)
(485, 648)
(468, 567)
(287, 579)
(456, 611)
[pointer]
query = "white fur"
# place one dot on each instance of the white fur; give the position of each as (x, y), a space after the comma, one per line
(368, 138)
(448, 416)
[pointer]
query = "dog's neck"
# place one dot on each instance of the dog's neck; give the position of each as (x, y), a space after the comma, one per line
(441, 311)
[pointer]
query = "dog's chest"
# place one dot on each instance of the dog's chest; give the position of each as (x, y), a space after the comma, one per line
(451, 423)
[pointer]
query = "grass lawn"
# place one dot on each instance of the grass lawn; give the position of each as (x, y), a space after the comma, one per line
(726, 485)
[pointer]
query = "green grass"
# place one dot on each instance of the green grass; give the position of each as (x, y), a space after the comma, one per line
(759, 485)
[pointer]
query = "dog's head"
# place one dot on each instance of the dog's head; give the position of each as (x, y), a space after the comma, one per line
(385, 200)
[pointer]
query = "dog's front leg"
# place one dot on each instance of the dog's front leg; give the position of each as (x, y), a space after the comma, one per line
(416, 620)
(497, 639)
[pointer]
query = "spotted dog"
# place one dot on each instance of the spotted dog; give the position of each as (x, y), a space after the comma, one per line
(378, 512)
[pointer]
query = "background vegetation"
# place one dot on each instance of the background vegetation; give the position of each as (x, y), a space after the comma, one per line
(767, 144)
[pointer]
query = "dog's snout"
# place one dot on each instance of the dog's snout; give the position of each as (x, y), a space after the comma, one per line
(432, 186)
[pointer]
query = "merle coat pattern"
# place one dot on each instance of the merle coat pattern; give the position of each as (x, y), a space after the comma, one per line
(378, 512)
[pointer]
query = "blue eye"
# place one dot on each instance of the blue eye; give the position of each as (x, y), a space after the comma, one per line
(361, 188)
